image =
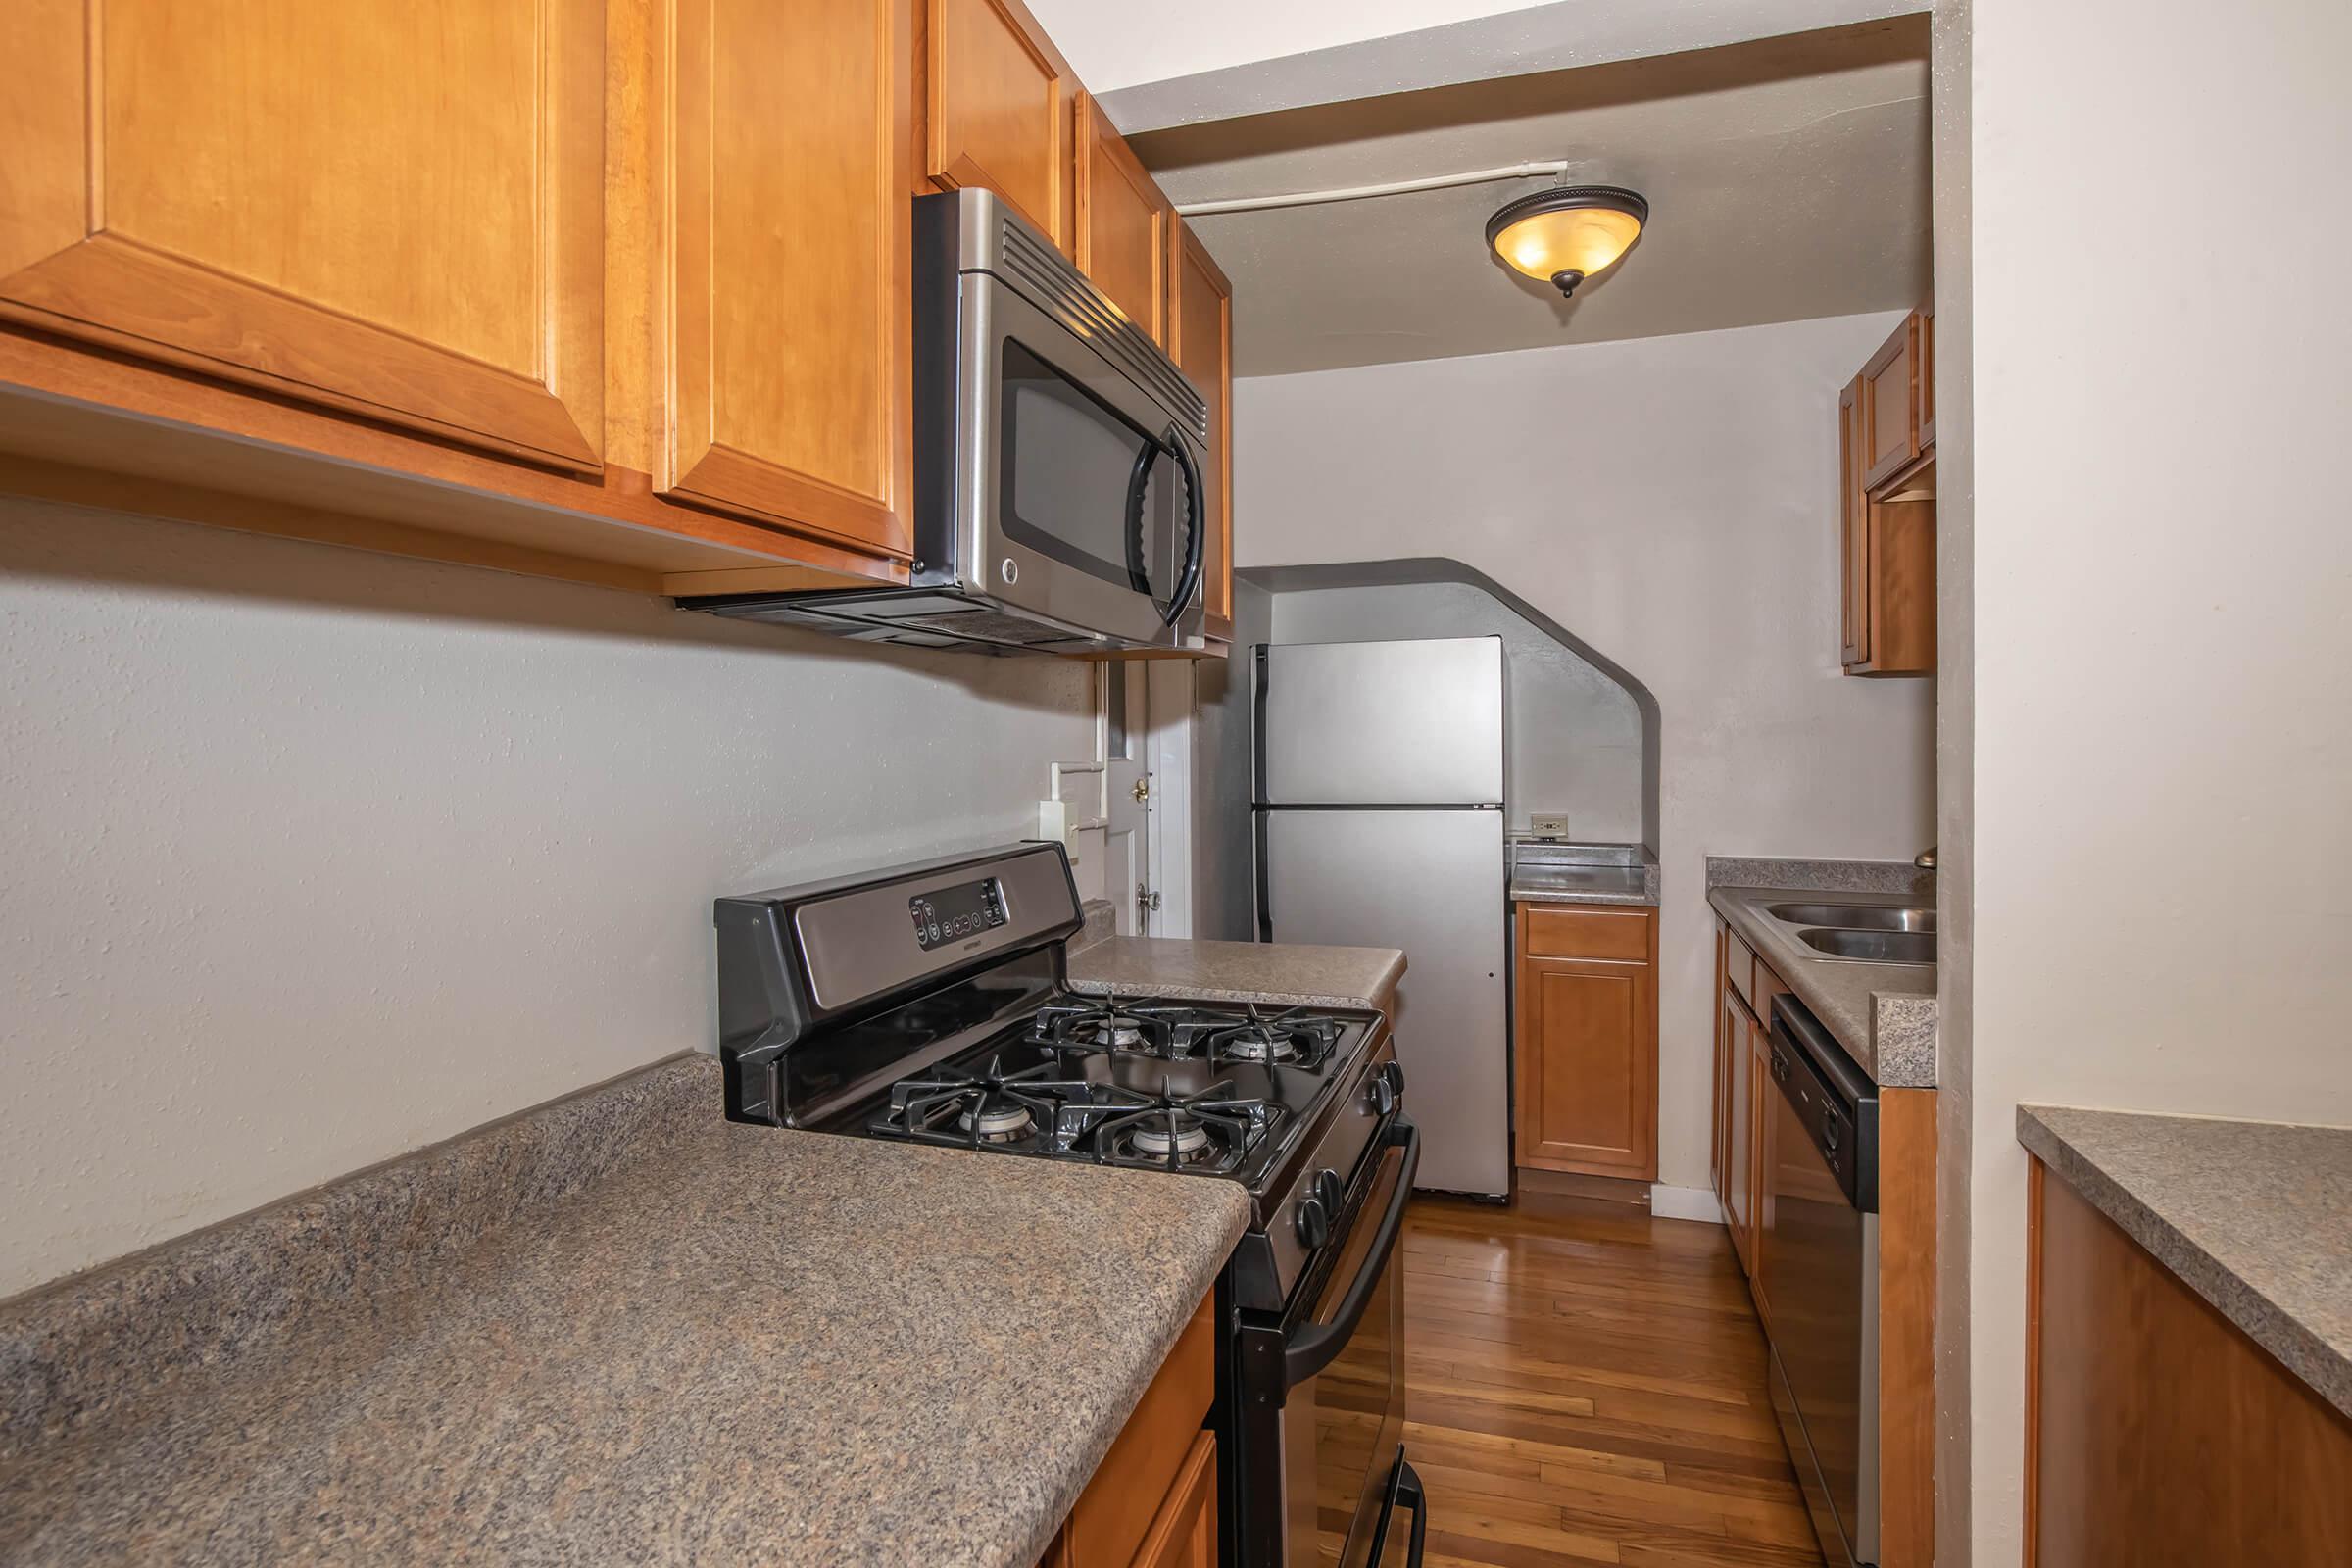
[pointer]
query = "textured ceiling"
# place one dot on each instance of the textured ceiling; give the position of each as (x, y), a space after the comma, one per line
(1787, 178)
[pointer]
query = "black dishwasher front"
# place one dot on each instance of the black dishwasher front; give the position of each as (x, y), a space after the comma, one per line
(1819, 1210)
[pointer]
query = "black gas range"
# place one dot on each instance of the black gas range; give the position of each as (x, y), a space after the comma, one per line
(930, 1003)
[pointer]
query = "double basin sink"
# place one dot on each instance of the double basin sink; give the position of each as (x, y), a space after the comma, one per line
(1862, 933)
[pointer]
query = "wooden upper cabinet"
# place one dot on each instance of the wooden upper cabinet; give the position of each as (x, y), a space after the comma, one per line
(789, 137)
(1200, 340)
(1125, 224)
(388, 208)
(1853, 531)
(998, 110)
(1887, 512)
(1927, 376)
(1889, 405)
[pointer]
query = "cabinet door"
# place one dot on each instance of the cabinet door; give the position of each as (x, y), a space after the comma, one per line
(1763, 1135)
(1588, 1063)
(1200, 340)
(1719, 1123)
(1183, 1534)
(391, 208)
(1124, 224)
(788, 135)
(1853, 531)
(1889, 403)
(1927, 376)
(999, 115)
(1740, 1143)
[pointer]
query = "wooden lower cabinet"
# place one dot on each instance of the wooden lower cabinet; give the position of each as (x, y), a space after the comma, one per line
(1588, 1040)
(2157, 1431)
(1152, 1502)
(1737, 1135)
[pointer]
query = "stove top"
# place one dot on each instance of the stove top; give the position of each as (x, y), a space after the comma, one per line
(1195, 1088)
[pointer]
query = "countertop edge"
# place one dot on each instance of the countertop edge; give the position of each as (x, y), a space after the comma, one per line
(1116, 966)
(1527, 893)
(2323, 1367)
(1888, 1070)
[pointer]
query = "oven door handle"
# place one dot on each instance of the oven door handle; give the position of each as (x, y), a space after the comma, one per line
(1405, 1491)
(1310, 1351)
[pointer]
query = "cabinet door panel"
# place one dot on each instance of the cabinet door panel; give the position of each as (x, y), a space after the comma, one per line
(1123, 223)
(999, 110)
(1183, 1534)
(1200, 341)
(1853, 531)
(386, 206)
(1587, 1066)
(1889, 403)
(789, 277)
(1740, 1143)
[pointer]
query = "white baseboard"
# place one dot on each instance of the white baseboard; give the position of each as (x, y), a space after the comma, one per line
(1684, 1202)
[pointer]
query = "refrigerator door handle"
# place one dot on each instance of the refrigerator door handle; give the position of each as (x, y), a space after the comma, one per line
(1266, 904)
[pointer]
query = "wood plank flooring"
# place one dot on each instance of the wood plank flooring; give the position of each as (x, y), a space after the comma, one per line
(1585, 1385)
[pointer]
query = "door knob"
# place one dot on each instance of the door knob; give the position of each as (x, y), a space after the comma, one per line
(1143, 790)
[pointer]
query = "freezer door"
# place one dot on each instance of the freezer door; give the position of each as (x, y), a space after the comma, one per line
(1404, 723)
(1432, 883)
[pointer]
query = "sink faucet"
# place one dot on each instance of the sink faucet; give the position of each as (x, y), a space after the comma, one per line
(1925, 860)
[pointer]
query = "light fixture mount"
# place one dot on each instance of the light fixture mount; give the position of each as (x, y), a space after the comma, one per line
(1564, 235)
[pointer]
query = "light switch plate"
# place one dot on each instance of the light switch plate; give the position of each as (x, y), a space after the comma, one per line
(1547, 827)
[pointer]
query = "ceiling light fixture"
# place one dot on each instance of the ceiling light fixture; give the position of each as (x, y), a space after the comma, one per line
(1563, 236)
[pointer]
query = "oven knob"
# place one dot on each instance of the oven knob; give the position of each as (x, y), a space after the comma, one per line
(1313, 1222)
(1330, 1189)
(1394, 1072)
(1383, 1094)
(1830, 1136)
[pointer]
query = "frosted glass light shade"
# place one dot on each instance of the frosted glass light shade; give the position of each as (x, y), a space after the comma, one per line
(1564, 236)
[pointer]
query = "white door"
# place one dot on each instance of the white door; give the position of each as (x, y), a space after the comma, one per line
(1127, 796)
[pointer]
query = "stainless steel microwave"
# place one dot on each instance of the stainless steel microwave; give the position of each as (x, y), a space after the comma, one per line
(1060, 463)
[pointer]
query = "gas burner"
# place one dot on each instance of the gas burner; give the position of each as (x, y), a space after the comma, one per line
(1106, 1025)
(993, 1108)
(1209, 1129)
(1183, 1136)
(1289, 1038)
(1002, 1123)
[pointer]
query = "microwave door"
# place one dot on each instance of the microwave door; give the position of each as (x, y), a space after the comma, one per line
(1051, 509)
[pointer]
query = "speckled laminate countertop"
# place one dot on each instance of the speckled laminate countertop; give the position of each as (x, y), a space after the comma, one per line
(1882, 1014)
(2256, 1217)
(1584, 884)
(1279, 973)
(732, 1345)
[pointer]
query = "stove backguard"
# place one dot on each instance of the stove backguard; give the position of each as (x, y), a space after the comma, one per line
(829, 990)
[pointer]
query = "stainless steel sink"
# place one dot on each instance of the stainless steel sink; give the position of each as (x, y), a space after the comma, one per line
(1854, 916)
(1873, 947)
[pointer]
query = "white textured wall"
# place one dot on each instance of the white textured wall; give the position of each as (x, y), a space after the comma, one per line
(311, 857)
(1674, 503)
(2163, 652)
(1574, 736)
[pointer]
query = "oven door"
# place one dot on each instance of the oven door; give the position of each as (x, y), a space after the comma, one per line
(1078, 497)
(1343, 1416)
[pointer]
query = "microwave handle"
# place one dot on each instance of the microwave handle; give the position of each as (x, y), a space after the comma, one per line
(1139, 482)
(1188, 584)
(1310, 1351)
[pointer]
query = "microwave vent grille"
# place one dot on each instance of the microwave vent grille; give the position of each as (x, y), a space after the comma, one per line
(1060, 290)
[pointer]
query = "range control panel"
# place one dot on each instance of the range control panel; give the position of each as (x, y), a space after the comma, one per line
(957, 913)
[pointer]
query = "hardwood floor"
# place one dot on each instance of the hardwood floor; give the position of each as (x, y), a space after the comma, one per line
(1586, 1385)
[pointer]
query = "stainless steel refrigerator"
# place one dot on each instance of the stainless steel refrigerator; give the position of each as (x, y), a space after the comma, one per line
(1379, 815)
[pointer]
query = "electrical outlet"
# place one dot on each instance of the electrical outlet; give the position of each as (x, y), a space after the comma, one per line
(1547, 827)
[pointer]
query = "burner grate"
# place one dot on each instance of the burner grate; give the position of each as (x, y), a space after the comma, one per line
(989, 1109)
